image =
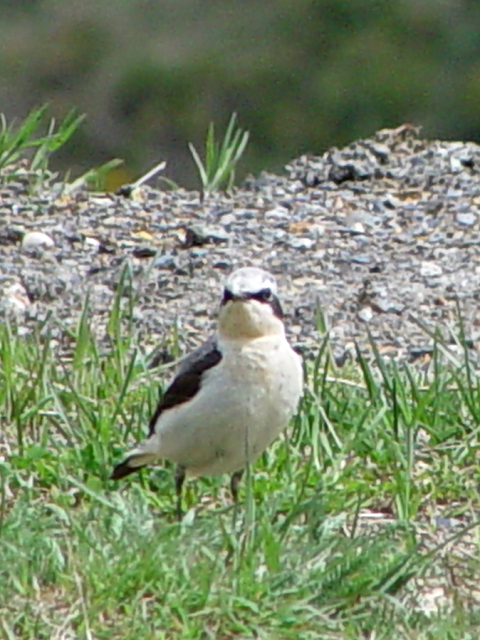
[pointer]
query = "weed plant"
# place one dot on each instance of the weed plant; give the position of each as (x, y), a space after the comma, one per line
(217, 170)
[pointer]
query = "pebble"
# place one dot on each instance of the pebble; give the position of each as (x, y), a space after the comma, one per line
(361, 259)
(37, 240)
(357, 227)
(302, 244)
(430, 269)
(365, 314)
(466, 218)
(198, 235)
(92, 242)
(280, 213)
(166, 261)
(456, 165)
(227, 219)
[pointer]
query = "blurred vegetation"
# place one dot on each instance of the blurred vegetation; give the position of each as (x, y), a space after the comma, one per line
(301, 75)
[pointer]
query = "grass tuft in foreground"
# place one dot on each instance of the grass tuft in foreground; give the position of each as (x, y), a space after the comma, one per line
(365, 526)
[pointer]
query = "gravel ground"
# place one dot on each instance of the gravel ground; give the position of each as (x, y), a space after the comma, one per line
(378, 235)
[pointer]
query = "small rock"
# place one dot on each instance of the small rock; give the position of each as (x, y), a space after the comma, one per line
(380, 151)
(360, 258)
(456, 165)
(443, 523)
(223, 265)
(310, 179)
(166, 261)
(430, 269)
(357, 227)
(144, 252)
(227, 219)
(365, 314)
(92, 242)
(319, 255)
(197, 236)
(302, 244)
(37, 240)
(342, 173)
(384, 305)
(246, 214)
(364, 218)
(466, 218)
(200, 309)
(279, 213)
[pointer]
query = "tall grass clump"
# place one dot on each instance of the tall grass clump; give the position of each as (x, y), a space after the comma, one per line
(217, 170)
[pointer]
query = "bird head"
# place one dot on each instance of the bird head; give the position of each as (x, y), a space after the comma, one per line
(250, 307)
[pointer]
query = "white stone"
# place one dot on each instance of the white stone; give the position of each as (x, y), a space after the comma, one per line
(466, 218)
(357, 227)
(37, 240)
(456, 165)
(92, 242)
(430, 269)
(302, 244)
(279, 213)
(365, 314)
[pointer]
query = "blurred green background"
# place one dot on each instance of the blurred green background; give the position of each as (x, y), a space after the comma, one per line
(302, 75)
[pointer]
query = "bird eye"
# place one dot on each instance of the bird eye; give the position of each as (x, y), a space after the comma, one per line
(265, 295)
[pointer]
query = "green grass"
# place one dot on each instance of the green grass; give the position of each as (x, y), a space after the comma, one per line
(30, 144)
(34, 138)
(217, 170)
(336, 537)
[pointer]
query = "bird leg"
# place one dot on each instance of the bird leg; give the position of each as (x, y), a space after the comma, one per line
(179, 480)
(234, 481)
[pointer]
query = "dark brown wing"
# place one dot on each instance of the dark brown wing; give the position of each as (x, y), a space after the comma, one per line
(188, 379)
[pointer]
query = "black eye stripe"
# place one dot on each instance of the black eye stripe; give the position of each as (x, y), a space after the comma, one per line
(270, 299)
(264, 295)
(227, 295)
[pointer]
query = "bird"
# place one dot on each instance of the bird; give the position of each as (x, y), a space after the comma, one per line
(232, 396)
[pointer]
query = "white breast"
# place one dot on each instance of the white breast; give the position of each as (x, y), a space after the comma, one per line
(243, 404)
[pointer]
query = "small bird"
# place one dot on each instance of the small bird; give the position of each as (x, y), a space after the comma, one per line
(231, 397)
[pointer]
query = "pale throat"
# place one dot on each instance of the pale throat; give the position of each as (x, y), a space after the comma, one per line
(249, 319)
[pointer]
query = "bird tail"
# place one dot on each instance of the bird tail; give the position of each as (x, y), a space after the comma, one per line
(135, 460)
